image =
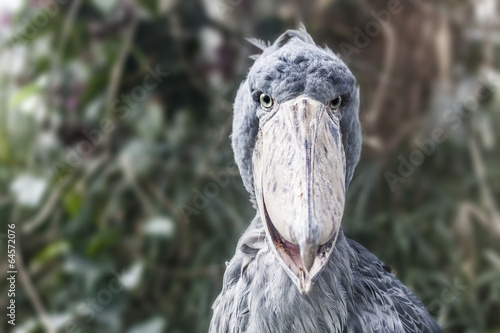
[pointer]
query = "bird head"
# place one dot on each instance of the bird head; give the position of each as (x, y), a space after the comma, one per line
(297, 139)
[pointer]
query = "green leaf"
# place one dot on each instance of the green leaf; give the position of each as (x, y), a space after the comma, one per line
(150, 124)
(23, 93)
(154, 325)
(50, 252)
(101, 241)
(159, 226)
(105, 6)
(493, 258)
(73, 201)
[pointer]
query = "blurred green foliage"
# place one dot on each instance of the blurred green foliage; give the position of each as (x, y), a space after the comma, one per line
(122, 183)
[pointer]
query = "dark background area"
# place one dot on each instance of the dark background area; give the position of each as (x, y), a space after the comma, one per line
(122, 186)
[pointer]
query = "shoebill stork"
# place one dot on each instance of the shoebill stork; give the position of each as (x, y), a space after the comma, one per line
(297, 139)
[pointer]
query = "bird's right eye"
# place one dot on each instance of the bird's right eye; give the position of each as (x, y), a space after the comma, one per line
(266, 101)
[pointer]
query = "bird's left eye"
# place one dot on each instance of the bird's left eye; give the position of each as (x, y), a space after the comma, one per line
(336, 103)
(266, 101)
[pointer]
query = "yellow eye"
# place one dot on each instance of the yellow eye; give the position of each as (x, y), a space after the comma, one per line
(336, 103)
(266, 101)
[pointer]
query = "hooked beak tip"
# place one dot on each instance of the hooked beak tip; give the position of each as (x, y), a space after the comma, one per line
(308, 254)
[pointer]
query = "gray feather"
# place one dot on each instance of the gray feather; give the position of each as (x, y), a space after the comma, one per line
(259, 43)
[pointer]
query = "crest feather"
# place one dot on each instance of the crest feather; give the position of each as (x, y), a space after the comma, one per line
(259, 43)
(300, 33)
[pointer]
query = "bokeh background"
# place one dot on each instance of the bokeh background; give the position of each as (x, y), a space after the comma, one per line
(116, 166)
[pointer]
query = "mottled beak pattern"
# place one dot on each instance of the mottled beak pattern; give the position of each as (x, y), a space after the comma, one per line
(299, 172)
